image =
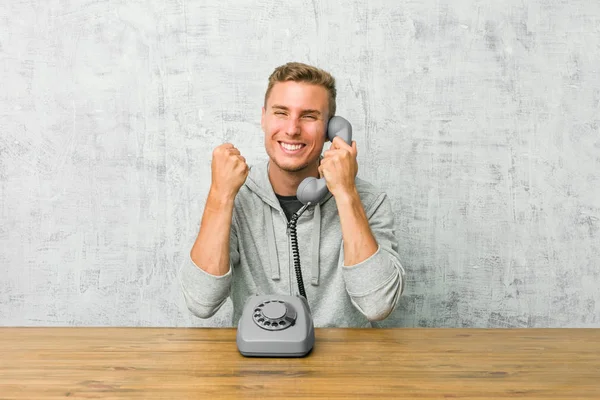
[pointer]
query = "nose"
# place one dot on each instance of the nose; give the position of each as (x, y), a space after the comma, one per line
(293, 127)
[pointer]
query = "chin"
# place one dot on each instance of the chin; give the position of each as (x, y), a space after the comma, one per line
(290, 166)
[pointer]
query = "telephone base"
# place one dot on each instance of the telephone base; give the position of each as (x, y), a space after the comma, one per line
(275, 355)
(275, 326)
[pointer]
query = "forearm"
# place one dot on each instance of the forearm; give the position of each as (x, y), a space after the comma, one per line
(211, 248)
(372, 270)
(359, 242)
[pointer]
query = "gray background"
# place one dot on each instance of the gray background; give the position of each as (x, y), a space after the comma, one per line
(480, 119)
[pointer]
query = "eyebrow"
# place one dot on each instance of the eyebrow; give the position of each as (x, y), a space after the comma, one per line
(303, 111)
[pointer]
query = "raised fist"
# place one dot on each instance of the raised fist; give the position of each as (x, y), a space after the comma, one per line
(229, 170)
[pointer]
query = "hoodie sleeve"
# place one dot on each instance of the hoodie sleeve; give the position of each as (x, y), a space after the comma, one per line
(204, 293)
(376, 284)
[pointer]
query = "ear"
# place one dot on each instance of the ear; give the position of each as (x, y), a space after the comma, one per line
(262, 118)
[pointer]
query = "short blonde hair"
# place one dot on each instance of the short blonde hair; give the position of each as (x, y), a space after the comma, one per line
(299, 72)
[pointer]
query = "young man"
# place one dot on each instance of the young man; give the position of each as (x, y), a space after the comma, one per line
(348, 253)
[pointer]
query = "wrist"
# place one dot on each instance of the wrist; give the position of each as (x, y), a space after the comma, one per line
(219, 199)
(347, 197)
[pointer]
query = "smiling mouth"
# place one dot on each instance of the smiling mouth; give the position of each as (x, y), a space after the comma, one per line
(291, 148)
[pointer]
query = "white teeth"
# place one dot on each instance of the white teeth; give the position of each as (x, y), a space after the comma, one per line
(291, 147)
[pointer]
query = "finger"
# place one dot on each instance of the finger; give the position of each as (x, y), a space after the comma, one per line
(338, 143)
(242, 158)
(331, 152)
(227, 146)
(234, 151)
(354, 149)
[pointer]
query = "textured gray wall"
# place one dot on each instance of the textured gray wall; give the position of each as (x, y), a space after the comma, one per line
(480, 119)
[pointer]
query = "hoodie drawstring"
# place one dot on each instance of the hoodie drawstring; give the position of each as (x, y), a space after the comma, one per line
(316, 241)
(316, 244)
(268, 221)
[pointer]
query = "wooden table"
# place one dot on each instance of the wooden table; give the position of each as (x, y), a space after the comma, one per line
(194, 363)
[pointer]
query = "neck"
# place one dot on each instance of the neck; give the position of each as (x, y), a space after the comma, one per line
(286, 183)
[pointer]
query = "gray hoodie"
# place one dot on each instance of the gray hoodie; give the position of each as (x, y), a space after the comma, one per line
(261, 259)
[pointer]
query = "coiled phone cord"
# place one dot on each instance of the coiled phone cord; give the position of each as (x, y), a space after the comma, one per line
(291, 228)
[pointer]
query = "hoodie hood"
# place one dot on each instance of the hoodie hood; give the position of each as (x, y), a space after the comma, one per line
(258, 182)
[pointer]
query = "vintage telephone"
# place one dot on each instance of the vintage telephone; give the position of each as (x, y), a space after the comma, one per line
(282, 325)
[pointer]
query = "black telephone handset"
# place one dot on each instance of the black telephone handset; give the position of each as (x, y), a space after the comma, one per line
(282, 325)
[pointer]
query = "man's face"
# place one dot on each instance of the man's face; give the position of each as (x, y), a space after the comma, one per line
(294, 121)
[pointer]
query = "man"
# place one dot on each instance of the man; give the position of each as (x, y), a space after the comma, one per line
(348, 252)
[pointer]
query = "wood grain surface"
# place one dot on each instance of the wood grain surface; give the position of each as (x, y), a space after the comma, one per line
(194, 363)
